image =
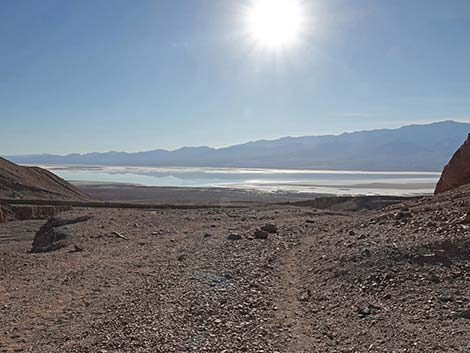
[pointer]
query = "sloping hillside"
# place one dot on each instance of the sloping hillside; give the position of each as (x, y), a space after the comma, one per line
(17, 182)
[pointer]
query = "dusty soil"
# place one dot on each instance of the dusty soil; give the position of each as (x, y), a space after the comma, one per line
(187, 196)
(394, 280)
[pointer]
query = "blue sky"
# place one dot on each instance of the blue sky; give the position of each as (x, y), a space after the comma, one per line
(99, 75)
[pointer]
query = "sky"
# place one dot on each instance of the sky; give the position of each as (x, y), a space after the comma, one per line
(122, 75)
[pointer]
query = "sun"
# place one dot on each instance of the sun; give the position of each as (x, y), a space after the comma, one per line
(275, 24)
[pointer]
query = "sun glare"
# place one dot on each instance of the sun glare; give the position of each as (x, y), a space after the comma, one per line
(275, 24)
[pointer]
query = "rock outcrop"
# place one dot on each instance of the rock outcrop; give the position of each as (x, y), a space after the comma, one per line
(27, 212)
(457, 172)
(33, 183)
(24, 212)
(6, 213)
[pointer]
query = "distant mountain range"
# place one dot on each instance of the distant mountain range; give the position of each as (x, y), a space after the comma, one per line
(411, 148)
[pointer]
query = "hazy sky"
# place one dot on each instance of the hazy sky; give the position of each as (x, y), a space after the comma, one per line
(99, 75)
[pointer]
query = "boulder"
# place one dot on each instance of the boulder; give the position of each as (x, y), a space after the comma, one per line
(50, 237)
(457, 172)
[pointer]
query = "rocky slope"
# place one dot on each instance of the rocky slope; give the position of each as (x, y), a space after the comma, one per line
(396, 280)
(457, 172)
(18, 182)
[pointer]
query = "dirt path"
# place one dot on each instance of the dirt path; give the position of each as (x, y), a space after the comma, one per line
(290, 307)
(295, 290)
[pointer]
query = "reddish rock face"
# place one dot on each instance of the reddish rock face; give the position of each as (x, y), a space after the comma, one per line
(457, 172)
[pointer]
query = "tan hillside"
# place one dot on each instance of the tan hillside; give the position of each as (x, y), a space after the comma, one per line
(18, 182)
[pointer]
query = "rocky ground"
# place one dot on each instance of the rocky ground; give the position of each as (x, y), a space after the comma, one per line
(208, 280)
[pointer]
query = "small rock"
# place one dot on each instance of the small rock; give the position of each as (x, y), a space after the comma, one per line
(270, 228)
(465, 219)
(368, 310)
(261, 234)
(119, 235)
(305, 296)
(465, 314)
(76, 248)
(403, 215)
(234, 236)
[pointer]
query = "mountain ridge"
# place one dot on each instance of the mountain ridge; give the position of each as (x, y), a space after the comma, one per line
(416, 147)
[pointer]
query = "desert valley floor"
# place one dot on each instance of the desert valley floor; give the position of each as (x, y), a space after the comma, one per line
(208, 280)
